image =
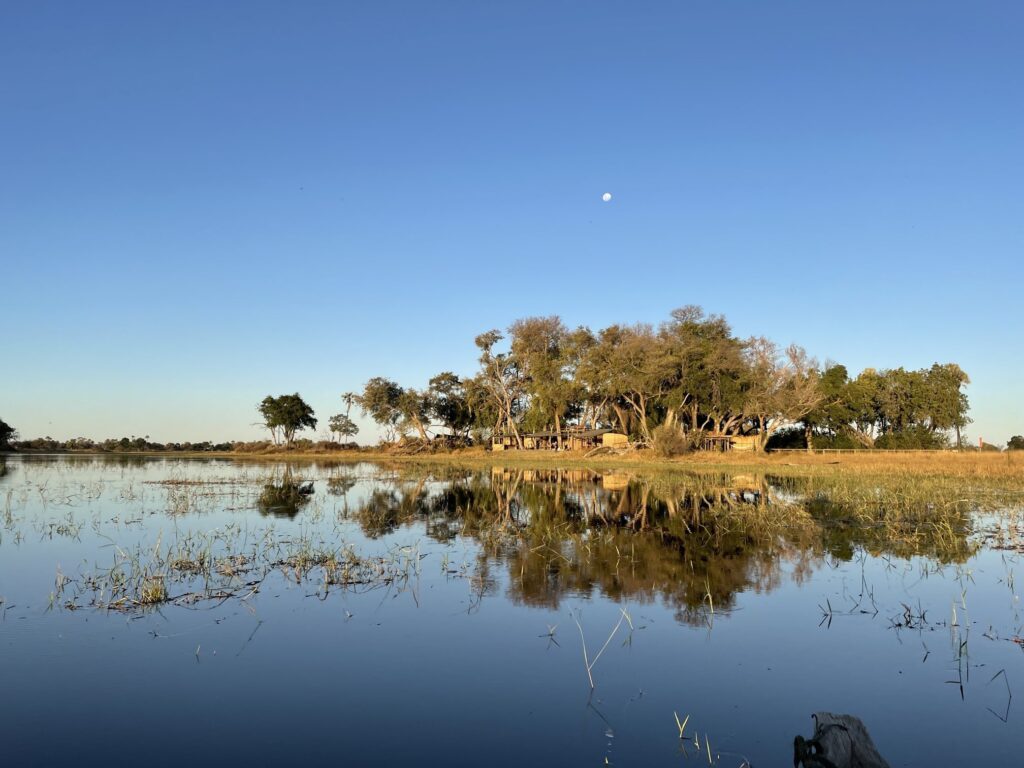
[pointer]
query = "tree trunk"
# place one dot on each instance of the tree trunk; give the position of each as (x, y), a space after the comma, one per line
(558, 431)
(809, 437)
(515, 430)
(644, 428)
(623, 421)
(639, 406)
(643, 420)
(762, 436)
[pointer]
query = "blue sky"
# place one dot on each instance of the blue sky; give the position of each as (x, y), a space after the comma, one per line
(203, 203)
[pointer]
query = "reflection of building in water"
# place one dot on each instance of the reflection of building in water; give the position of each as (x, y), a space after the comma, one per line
(614, 481)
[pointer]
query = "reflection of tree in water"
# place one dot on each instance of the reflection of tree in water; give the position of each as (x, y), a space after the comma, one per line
(632, 543)
(96, 460)
(284, 497)
(387, 509)
(339, 485)
(562, 533)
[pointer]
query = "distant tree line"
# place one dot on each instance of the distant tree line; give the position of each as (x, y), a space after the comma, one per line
(677, 382)
(114, 445)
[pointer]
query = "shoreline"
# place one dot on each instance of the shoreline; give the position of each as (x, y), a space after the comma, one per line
(1006, 464)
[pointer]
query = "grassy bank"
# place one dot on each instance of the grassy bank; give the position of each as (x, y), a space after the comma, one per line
(948, 464)
(1009, 465)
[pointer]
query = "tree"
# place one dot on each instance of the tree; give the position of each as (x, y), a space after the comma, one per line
(946, 403)
(394, 407)
(902, 399)
(500, 378)
(625, 366)
(7, 434)
(449, 403)
(833, 413)
(1016, 443)
(704, 370)
(540, 346)
(342, 426)
(863, 397)
(285, 415)
(485, 411)
(784, 387)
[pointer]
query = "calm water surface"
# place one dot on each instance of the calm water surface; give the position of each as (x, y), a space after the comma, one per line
(167, 611)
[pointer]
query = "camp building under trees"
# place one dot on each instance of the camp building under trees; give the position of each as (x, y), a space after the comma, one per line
(571, 440)
(574, 439)
(725, 443)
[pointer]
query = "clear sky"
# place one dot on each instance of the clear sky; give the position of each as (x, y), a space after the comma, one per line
(205, 202)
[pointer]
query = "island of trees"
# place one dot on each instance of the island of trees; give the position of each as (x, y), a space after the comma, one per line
(668, 387)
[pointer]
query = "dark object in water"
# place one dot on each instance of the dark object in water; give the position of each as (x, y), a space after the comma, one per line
(839, 741)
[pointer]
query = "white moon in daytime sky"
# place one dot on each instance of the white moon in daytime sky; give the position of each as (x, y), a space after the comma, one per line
(606, 196)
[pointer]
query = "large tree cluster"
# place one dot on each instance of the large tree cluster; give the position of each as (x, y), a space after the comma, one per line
(690, 375)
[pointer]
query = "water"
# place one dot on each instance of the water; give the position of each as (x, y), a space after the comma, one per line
(445, 629)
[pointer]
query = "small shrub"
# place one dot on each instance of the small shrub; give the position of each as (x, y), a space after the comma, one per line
(788, 437)
(913, 438)
(668, 441)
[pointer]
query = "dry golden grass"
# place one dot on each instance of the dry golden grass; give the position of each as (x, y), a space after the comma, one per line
(948, 464)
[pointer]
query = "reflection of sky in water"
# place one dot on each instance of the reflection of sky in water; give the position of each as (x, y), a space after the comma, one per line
(455, 668)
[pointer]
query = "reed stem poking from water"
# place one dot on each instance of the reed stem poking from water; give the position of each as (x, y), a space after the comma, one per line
(587, 661)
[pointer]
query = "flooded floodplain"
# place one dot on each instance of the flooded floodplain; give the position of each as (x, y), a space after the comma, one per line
(164, 611)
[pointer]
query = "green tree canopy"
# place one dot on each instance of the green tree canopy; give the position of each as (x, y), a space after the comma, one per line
(395, 408)
(690, 374)
(342, 426)
(784, 387)
(543, 350)
(285, 415)
(7, 434)
(449, 403)
(499, 385)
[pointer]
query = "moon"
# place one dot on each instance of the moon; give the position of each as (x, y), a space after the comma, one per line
(607, 196)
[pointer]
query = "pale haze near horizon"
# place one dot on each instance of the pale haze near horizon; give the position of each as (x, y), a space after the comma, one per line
(203, 205)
